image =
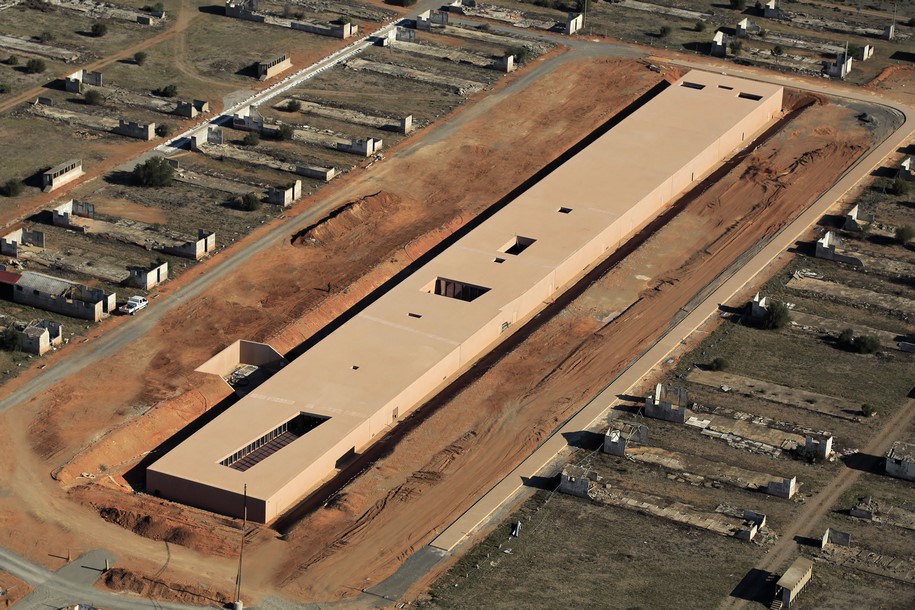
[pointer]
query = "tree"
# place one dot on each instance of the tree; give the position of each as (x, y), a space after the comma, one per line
(98, 30)
(736, 47)
(154, 172)
(166, 91)
(342, 20)
(93, 97)
(868, 410)
(778, 51)
(252, 138)
(777, 316)
(845, 338)
(865, 344)
(700, 26)
(521, 53)
(738, 5)
(12, 60)
(9, 339)
(11, 188)
(45, 36)
(250, 202)
(664, 31)
(5, 88)
(163, 130)
(904, 234)
(898, 187)
(285, 132)
(293, 106)
(718, 364)
(139, 58)
(763, 32)
(35, 66)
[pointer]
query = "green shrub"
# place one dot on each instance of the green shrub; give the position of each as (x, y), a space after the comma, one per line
(45, 36)
(777, 316)
(700, 26)
(166, 91)
(252, 138)
(35, 66)
(664, 32)
(285, 132)
(98, 30)
(778, 51)
(140, 58)
(718, 364)
(293, 106)
(93, 97)
(5, 88)
(9, 339)
(248, 202)
(342, 20)
(846, 337)
(11, 188)
(904, 234)
(12, 60)
(163, 130)
(865, 344)
(898, 187)
(522, 53)
(736, 47)
(154, 172)
(868, 410)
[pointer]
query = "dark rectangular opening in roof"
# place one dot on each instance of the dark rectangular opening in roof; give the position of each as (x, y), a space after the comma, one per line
(565, 210)
(690, 85)
(498, 260)
(517, 245)
(415, 315)
(453, 289)
(750, 96)
(268, 444)
(725, 87)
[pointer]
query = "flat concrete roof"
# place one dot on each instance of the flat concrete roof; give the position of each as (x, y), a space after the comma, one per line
(372, 358)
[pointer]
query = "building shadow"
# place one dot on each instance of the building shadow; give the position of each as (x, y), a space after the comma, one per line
(213, 9)
(540, 482)
(584, 439)
(903, 56)
(872, 464)
(756, 586)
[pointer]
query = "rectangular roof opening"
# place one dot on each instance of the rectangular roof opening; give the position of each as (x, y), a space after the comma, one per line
(271, 442)
(517, 245)
(750, 96)
(453, 289)
(690, 85)
(564, 210)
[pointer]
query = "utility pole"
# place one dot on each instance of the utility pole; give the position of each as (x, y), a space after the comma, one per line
(241, 551)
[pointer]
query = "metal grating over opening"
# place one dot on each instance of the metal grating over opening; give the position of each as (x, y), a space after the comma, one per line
(273, 441)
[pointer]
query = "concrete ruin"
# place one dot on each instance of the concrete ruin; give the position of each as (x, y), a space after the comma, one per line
(248, 119)
(900, 461)
(195, 249)
(757, 308)
(139, 131)
(907, 169)
(12, 241)
(771, 10)
(831, 247)
(865, 52)
(363, 148)
(73, 83)
(835, 537)
(793, 581)
(745, 28)
(506, 63)
(191, 109)
(146, 278)
(752, 523)
(244, 365)
(574, 22)
(855, 221)
(428, 19)
(576, 481)
(320, 173)
(40, 336)
(66, 213)
(719, 44)
(889, 32)
(60, 296)
(621, 435)
(818, 447)
(840, 67)
(248, 10)
(864, 508)
(207, 135)
(667, 403)
(784, 488)
(271, 67)
(60, 175)
(285, 196)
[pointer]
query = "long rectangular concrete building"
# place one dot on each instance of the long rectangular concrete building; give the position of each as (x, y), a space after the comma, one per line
(289, 435)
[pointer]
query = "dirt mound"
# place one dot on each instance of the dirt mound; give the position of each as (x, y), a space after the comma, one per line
(348, 219)
(119, 579)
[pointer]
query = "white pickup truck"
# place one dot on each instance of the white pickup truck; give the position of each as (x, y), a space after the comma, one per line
(133, 305)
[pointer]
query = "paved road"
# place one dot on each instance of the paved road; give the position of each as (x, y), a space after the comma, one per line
(72, 584)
